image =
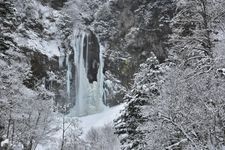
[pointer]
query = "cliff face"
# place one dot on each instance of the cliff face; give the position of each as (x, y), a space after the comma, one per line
(34, 36)
(129, 30)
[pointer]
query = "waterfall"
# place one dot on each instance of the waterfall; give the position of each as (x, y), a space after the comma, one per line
(88, 96)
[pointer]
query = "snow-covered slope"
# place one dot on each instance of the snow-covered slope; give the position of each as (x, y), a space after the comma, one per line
(42, 30)
(100, 119)
(86, 123)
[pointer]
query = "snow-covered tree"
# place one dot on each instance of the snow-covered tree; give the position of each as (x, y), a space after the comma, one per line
(140, 101)
(188, 112)
(190, 106)
(194, 24)
(82, 12)
(25, 114)
(102, 138)
(191, 110)
(71, 133)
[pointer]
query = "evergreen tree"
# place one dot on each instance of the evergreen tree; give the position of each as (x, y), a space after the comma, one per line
(142, 96)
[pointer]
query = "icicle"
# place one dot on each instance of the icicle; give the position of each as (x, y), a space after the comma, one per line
(68, 76)
(101, 75)
(86, 67)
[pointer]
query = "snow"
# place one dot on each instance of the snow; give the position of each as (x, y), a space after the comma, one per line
(100, 119)
(6, 141)
(49, 48)
(86, 123)
(47, 41)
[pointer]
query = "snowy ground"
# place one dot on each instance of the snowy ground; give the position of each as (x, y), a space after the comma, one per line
(86, 123)
(100, 119)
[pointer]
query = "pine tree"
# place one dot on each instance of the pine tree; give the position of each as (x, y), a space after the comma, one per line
(144, 91)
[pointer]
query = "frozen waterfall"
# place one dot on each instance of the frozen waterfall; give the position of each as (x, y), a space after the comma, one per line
(87, 96)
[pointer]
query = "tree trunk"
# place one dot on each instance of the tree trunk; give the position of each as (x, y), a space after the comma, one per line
(63, 133)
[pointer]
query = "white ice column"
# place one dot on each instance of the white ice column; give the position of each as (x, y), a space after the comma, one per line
(88, 96)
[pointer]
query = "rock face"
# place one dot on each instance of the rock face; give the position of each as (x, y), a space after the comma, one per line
(28, 35)
(132, 30)
(43, 36)
(40, 66)
(129, 30)
(56, 4)
(93, 56)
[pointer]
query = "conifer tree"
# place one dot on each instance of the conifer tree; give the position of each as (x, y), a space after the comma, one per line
(142, 96)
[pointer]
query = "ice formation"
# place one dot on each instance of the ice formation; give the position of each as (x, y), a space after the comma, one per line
(88, 97)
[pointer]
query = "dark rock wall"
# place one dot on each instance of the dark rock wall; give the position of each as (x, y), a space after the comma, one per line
(93, 56)
(56, 4)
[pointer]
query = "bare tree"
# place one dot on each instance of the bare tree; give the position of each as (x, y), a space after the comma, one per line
(103, 138)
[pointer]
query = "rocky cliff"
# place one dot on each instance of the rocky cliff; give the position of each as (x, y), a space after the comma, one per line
(129, 30)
